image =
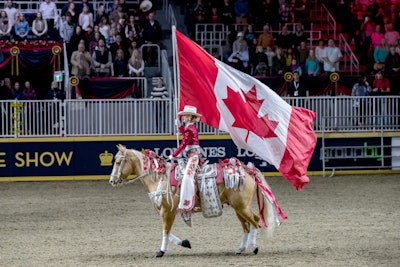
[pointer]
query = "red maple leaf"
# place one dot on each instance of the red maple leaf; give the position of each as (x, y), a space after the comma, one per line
(245, 111)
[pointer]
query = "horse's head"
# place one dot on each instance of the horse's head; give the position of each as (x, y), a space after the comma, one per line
(125, 164)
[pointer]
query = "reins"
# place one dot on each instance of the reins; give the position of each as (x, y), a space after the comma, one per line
(124, 182)
(121, 167)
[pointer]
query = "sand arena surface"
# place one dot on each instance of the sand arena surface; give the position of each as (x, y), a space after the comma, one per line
(339, 221)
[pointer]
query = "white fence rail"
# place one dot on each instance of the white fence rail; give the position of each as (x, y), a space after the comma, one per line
(156, 117)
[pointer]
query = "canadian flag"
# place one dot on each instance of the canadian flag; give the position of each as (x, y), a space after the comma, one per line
(256, 117)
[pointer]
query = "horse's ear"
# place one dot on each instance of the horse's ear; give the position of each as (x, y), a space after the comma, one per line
(120, 147)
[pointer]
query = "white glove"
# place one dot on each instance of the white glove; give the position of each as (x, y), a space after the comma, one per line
(178, 123)
(170, 157)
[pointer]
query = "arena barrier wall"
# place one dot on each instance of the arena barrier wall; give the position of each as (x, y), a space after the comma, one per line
(91, 158)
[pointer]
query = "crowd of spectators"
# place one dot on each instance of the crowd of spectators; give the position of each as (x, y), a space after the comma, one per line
(105, 42)
(271, 37)
(108, 44)
(260, 41)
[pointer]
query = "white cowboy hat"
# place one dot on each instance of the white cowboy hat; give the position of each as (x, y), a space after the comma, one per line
(189, 110)
(146, 5)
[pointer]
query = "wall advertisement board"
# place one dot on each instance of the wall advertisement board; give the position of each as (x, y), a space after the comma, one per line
(92, 158)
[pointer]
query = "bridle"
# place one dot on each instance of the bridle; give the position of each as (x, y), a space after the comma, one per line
(155, 196)
(117, 178)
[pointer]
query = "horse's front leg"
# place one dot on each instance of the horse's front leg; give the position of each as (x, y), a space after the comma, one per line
(168, 218)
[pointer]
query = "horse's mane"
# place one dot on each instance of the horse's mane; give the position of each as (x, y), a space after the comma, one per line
(148, 165)
(139, 156)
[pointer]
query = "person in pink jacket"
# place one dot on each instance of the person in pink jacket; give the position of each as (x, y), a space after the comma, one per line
(191, 145)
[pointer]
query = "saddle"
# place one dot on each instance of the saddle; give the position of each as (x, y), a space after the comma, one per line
(208, 176)
(230, 171)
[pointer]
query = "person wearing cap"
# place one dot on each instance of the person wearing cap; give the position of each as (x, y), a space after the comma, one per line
(191, 145)
(145, 6)
(239, 40)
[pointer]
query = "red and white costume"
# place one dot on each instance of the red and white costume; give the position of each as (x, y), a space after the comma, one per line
(190, 144)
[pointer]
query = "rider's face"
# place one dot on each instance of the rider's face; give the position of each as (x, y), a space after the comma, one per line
(187, 118)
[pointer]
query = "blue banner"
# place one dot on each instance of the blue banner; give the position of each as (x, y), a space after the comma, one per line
(80, 157)
(96, 157)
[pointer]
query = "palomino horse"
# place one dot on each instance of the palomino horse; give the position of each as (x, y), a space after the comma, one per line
(155, 173)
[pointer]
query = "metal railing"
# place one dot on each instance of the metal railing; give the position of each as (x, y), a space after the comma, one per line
(170, 14)
(211, 33)
(166, 73)
(83, 117)
(149, 50)
(350, 61)
(377, 154)
(31, 118)
(118, 117)
(349, 58)
(327, 19)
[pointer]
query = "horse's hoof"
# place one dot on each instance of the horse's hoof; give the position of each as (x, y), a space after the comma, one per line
(186, 244)
(159, 254)
(255, 251)
(239, 251)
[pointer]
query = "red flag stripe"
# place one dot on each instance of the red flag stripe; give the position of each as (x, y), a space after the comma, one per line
(300, 144)
(197, 78)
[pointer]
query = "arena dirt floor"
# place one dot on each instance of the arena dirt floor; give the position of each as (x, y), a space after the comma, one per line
(339, 221)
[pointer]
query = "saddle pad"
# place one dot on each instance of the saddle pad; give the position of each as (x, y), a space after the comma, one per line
(173, 180)
(210, 201)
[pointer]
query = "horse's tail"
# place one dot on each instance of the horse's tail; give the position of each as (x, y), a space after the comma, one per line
(270, 212)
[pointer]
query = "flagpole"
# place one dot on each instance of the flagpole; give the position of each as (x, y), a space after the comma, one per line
(176, 77)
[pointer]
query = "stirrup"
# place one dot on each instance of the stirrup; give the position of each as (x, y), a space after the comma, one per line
(187, 218)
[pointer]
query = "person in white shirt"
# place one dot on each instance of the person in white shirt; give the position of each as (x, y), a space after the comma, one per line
(85, 18)
(104, 27)
(39, 27)
(332, 56)
(11, 12)
(49, 13)
(136, 64)
(5, 26)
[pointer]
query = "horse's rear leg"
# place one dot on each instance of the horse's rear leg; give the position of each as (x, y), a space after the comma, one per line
(250, 224)
(248, 240)
(252, 240)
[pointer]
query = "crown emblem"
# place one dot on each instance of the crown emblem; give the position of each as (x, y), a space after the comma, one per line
(106, 158)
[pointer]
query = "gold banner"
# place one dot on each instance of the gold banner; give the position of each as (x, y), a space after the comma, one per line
(73, 81)
(56, 50)
(14, 51)
(334, 77)
(288, 76)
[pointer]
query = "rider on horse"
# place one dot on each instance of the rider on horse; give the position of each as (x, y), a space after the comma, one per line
(190, 144)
